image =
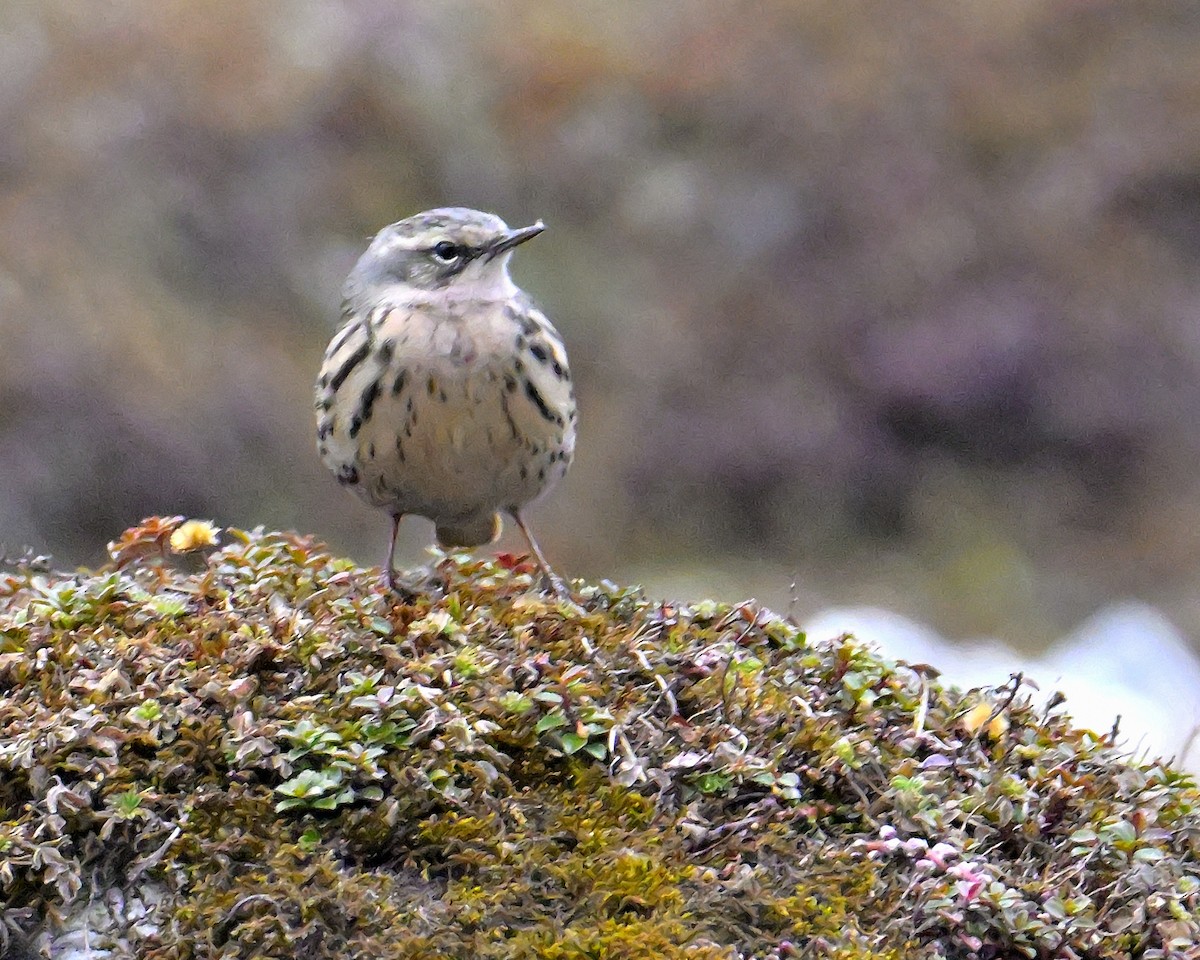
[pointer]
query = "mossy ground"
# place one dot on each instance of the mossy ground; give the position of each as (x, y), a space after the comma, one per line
(314, 769)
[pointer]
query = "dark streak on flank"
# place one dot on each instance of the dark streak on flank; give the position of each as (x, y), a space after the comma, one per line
(340, 340)
(369, 396)
(536, 398)
(512, 424)
(401, 379)
(522, 315)
(352, 361)
(386, 348)
(379, 315)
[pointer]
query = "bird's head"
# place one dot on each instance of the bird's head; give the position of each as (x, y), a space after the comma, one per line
(452, 249)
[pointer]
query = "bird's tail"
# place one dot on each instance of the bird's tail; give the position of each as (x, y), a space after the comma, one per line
(473, 532)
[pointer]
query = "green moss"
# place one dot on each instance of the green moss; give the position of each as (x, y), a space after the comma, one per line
(310, 768)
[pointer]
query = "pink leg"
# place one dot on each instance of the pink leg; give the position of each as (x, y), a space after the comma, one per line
(556, 583)
(389, 570)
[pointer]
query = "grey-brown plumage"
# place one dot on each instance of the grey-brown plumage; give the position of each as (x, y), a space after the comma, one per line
(446, 392)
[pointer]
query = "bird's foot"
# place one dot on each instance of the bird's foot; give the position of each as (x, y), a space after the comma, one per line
(430, 584)
(549, 581)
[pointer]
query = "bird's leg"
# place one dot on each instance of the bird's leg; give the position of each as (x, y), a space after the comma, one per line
(409, 589)
(556, 583)
(389, 569)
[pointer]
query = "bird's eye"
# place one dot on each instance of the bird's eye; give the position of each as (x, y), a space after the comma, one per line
(446, 251)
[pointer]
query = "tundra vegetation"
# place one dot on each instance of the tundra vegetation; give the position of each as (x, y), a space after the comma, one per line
(246, 749)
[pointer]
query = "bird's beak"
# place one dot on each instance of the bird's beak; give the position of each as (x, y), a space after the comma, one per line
(514, 237)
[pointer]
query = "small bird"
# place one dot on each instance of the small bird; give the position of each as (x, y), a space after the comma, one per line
(445, 392)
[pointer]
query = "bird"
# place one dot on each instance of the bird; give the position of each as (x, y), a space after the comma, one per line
(445, 392)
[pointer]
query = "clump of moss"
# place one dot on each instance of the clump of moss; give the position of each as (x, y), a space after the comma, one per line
(302, 765)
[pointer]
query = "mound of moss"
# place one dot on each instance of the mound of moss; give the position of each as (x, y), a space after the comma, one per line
(251, 751)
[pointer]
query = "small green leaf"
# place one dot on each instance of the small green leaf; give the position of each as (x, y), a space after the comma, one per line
(572, 742)
(713, 783)
(550, 721)
(516, 703)
(167, 606)
(381, 626)
(128, 805)
(146, 712)
(310, 838)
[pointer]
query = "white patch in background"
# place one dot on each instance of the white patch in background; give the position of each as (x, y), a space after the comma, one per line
(1127, 659)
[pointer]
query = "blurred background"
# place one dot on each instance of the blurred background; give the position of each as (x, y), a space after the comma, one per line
(870, 304)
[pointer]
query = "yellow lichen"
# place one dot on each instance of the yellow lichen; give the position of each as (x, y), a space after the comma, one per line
(194, 535)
